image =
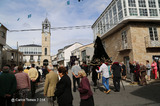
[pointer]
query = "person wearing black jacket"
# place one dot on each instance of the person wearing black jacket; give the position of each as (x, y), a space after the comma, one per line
(132, 68)
(116, 75)
(63, 89)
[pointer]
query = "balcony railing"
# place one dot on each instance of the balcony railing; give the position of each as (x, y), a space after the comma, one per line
(152, 43)
(123, 46)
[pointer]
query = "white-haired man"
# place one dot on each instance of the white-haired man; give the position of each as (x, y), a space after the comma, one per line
(75, 69)
(50, 85)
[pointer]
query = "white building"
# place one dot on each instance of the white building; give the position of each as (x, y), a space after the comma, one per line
(63, 56)
(84, 53)
(3, 31)
(31, 54)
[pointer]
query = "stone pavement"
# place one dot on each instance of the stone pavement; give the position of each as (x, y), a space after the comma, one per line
(133, 95)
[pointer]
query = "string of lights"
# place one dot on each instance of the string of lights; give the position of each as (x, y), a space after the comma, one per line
(55, 28)
(62, 28)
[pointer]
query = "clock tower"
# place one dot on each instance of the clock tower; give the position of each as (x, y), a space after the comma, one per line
(46, 34)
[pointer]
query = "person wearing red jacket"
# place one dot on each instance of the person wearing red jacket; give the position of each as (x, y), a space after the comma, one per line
(154, 68)
(86, 94)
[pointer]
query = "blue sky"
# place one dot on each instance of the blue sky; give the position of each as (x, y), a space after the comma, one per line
(59, 14)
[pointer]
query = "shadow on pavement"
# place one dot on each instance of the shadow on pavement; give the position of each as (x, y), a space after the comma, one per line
(151, 92)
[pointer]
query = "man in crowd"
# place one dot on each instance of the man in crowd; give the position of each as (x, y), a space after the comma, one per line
(26, 70)
(85, 68)
(105, 76)
(8, 86)
(116, 75)
(75, 69)
(33, 75)
(50, 85)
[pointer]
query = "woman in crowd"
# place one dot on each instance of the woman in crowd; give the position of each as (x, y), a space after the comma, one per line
(23, 84)
(85, 90)
(63, 89)
(154, 68)
(143, 74)
(123, 70)
(148, 67)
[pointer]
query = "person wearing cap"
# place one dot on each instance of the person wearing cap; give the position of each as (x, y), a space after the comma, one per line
(33, 75)
(8, 85)
(75, 69)
(50, 85)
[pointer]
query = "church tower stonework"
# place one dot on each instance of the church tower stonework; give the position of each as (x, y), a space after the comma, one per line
(46, 35)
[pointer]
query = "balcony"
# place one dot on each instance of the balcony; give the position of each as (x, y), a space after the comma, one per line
(152, 44)
(123, 47)
(31, 61)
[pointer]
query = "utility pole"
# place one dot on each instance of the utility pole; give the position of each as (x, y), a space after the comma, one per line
(17, 54)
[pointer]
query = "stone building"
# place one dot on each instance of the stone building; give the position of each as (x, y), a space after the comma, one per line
(130, 30)
(11, 57)
(3, 33)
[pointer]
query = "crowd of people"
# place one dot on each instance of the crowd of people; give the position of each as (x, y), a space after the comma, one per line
(18, 82)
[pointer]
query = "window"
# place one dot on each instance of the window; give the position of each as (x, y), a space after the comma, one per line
(101, 31)
(125, 12)
(3, 34)
(114, 10)
(124, 3)
(104, 25)
(143, 12)
(153, 12)
(31, 57)
(120, 15)
(133, 11)
(153, 33)
(110, 14)
(142, 3)
(115, 20)
(131, 3)
(119, 5)
(45, 38)
(152, 3)
(45, 51)
(124, 37)
(107, 21)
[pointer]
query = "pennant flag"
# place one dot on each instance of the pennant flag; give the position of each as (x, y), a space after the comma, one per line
(68, 2)
(18, 19)
(29, 16)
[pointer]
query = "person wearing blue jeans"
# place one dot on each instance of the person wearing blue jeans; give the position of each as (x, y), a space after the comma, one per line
(105, 76)
(105, 82)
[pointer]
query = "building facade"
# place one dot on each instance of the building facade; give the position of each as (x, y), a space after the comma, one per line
(31, 54)
(3, 33)
(63, 56)
(12, 57)
(84, 53)
(130, 30)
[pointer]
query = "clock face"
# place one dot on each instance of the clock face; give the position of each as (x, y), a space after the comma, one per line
(45, 33)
